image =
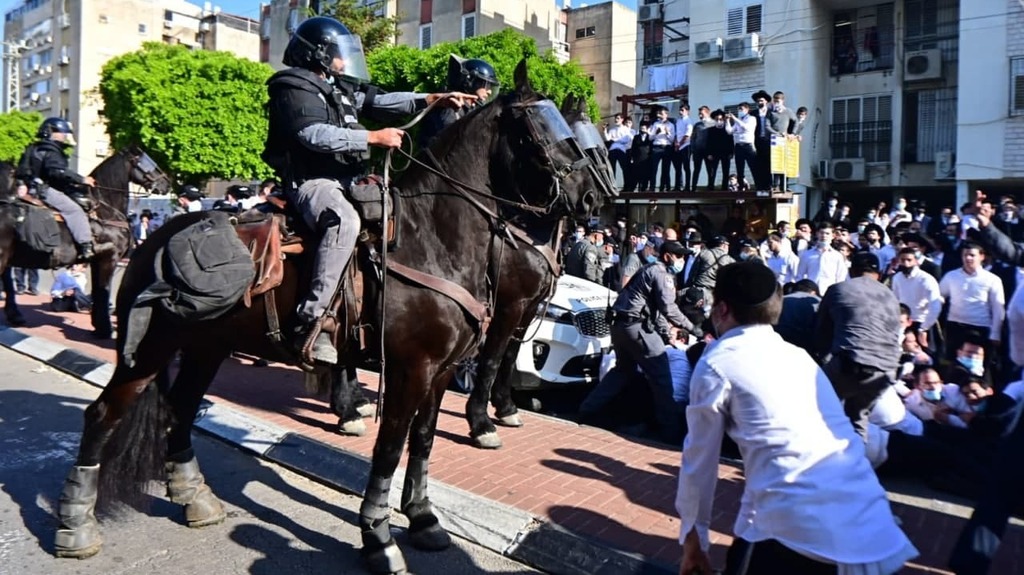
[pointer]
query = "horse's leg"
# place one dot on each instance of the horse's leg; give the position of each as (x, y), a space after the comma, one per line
(380, 551)
(481, 429)
(185, 483)
(505, 411)
(102, 272)
(128, 415)
(345, 396)
(425, 531)
(11, 311)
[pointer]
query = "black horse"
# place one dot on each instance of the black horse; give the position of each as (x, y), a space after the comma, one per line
(505, 175)
(109, 226)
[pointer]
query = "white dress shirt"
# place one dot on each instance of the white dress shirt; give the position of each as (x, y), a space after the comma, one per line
(684, 130)
(663, 133)
(742, 129)
(823, 267)
(809, 484)
(785, 266)
(920, 292)
(975, 299)
(951, 398)
(1015, 317)
(620, 136)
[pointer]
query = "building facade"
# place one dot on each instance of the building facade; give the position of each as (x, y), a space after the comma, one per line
(65, 43)
(602, 40)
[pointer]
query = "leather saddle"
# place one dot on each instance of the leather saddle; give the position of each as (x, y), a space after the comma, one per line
(83, 202)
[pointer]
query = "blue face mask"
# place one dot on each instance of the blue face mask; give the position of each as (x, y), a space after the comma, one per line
(578, 235)
(651, 258)
(742, 114)
(932, 394)
(599, 243)
(973, 364)
(679, 265)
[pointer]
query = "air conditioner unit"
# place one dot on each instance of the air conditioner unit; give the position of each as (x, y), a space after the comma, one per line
(36, 67)
(710, 51)
(848, 170)
(33, 97)
(64, 60)
(648, 13)
(922, 65)
(47, 100)
(741, 49)
(63, 84)
(48, 40)
(48, 69)
(945, 165)
(168, 24)
(824, 172)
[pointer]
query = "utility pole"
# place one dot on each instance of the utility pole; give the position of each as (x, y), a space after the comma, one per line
(12, 83)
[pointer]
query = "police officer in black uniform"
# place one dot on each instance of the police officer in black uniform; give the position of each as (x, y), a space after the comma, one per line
(473, 76)
(44, 168)
(316, 147)
(639, 337)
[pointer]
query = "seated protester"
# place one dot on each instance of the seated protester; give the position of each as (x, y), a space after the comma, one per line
(68, 290)
(971, 353)
(934, 400)
(913, 353)
(993, 413)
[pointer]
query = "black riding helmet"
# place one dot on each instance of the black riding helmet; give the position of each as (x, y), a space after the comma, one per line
(318, 41)
(470, 75)
(51, 126)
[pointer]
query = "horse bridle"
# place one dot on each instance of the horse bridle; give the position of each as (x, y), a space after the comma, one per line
(590, 140)
(148, 170)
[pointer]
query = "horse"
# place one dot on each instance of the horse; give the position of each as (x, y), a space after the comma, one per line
(504, 176)
(110, 227)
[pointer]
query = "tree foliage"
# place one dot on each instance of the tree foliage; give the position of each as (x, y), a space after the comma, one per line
(373, 31)
(404, 68)
(17, 131)
(198, 113)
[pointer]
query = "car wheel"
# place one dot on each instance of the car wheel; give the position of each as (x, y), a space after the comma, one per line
(465, 376)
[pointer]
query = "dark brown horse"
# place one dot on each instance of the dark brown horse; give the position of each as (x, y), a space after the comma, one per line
(503, 176)
(109, 226)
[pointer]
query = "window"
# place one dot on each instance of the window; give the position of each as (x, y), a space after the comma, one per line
(468, 26)
(424, 36)
(653, 54)
(862, 40)
(468, 6)
(932, 24)
(426, 11)
(743, 17)
(929, 124)
(1017, 86)
(587, 32)
(862, 128)
(142, 28)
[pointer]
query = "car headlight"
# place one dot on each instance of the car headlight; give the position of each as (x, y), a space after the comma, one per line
(555, 313)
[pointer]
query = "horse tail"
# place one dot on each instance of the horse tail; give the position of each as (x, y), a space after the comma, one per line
(136, 450)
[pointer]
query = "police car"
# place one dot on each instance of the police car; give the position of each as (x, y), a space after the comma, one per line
(566, 341)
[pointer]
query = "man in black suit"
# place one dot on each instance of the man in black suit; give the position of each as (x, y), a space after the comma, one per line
(762, 142)
(640, 160)
(829, 211)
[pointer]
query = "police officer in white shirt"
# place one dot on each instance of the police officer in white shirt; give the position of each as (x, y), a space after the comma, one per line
(663, 134)
(811, 502)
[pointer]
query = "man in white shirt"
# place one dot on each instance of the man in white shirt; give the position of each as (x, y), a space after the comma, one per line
(743, 127)
(811, 503)
(823, 265)
(918, 291)
(976, 302)
(681, 156)
(619, 137)
(663, 137)
(784, 263)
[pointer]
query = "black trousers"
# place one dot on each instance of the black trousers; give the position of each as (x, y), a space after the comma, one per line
(763, 164)
(699, 159)
(661, 157)
(746, 157)
(858, 387)
(621, 159)
(681, 162)
(770, 557)
(713, 165)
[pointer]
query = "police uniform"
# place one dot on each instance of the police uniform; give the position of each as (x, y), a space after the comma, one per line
(463, 76)
(316, 147)
(643, 304)
(44, 167)
(584, 261)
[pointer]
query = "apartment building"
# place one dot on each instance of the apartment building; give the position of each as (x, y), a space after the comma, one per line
(63, 45)
(602, 39)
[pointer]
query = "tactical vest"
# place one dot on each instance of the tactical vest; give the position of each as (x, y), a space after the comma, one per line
(30, 166)
(299, 98)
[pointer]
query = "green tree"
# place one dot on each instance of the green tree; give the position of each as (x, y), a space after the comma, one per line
(198, 113)
(17, 131)
(404, 68)
(373, 31)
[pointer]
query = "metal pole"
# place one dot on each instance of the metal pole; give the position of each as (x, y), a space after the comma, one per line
(12, 83)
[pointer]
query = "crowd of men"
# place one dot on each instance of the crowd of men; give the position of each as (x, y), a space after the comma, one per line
(714, 141)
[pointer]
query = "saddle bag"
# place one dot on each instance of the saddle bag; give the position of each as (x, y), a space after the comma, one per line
(38, 229)
(368, 198)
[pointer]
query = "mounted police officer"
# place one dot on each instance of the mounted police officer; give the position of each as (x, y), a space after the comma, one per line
(44, 168)
(473, 76)
(317, 148)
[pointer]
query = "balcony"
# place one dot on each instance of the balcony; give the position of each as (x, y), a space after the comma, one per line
(871, 141)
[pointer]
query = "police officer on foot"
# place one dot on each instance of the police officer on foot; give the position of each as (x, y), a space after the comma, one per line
(317, 148)
(639, 334)
(45, 168)
(586, 255)
(473, 76)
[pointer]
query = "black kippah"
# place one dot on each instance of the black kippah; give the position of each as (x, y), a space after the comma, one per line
(745, 284)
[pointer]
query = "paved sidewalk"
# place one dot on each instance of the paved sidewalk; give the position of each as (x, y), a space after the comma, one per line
(613, 490)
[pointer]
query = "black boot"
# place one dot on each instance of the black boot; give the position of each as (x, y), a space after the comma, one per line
(85, 252)
(323, 348)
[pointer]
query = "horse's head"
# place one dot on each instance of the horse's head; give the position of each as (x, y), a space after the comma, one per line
(536, 153)
(575, 111)
(146, 173)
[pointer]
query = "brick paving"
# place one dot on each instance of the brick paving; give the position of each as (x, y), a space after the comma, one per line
(616, 490)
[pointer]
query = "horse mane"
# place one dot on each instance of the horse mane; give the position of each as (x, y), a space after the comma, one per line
(454, 133)
(112, 178)
(6, 180)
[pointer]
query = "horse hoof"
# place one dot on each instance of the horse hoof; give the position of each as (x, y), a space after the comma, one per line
(366, 410)
(489, 440)
(430, 538)
(80, 543)
(386, 561)
(510, 420)
(355, 428)
(204, 510)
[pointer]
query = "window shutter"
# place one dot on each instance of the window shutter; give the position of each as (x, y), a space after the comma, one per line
(425, 37)
(734, 22)
(468, 27)
(753, 18)
(926, 119)
(1017, 85)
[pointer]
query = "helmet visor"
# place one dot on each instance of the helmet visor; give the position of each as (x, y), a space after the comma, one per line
(349, 48)
(476, 84)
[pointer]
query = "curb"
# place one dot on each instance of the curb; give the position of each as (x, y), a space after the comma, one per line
(501, 528)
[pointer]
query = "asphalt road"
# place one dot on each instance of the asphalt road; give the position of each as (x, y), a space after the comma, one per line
(278, 522)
